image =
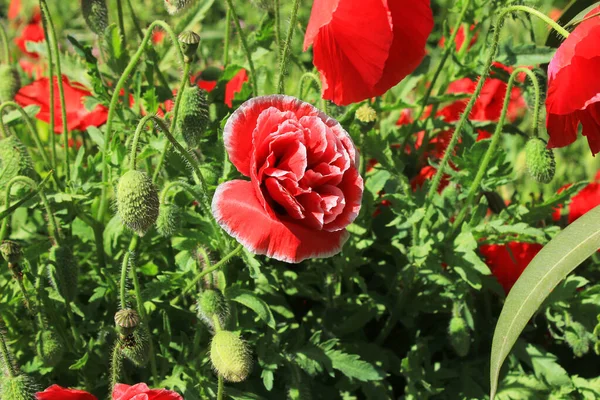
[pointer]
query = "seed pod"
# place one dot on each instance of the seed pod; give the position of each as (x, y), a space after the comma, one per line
(136, 347)
(189, 42)
(49, 348)
(20, 387)
(169, 220)
(66, 271)
(193, 116)
(14, 160)
(127, 320)
(95, 14)
(212, 304)
(176, 6)
(11, 251)
(539, 160)
(230, 356)
(460, 338)
(366, 114)
(10, 82)
(137, 201)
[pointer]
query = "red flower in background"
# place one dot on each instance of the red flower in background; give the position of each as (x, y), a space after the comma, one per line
(587, 199)
(507, 262)
(78, 117)
(573, 94)
(460, 38)
(56, 392)
(304, 186)
(142, 392)
(32, 32)
(231, 88)
(426, 173)
(14, 9)
(364, 48)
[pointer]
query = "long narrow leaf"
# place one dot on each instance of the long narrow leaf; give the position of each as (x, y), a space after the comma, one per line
(552, 264)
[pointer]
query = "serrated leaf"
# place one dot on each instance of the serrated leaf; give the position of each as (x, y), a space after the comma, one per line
(80, 363)
(253, 302)
(551, 265)
(353, 367)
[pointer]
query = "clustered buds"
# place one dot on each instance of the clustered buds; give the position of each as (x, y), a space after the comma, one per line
(176, 6)
(539, 160)
(169, 220)
(460, 337)
(14, 160)
(189, 42)
(137, 201)
(193, 116)
(230, 356)
(10, 82)
(95, 14)
(49, 348)
(66, 271)
(212, 305)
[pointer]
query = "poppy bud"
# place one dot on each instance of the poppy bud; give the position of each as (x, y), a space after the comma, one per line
(14, 160)
(11, 251)
(136, 347)
(539, 160)
(189, 42)
(175, 6)
(366, 114)
(193, 116)
(169, 220)
(66, 271)
(127, 320)
(49, 348)
(10, 82)
(212, 304)
(20, 387)
(137, 201)
(230, 356)
(95, 14)
(460, 338)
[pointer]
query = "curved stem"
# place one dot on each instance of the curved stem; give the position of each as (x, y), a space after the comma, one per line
(30, 127)
(124, 269)
(8, 210)
(186, 186)
(51, 99)
(553, 24)
(5, 48)
(483, 167)
(207, 271)
(227, 38)
(182, 86)
(310, 76)
(5, 353)
(113, 106)
(244, 46)
(59, 82)
(286, 46)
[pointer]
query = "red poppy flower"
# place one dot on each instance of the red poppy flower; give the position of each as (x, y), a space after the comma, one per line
(304, 186)
(587, 199)
(573, 96)
(32, 32)
(142, 392)
(78, 117)
(460, 38)
(507, 262)
(426, 173)
(363, 48)
(56, 392)
(14, 9)
(231, 88)
(158, 36)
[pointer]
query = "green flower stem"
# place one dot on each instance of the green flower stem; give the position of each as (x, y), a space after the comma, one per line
(286, 47)
(186, 186)
(124, 268)
(309, 76)
(277, 11)
(483, 167)
(221, 381)
(51, 76)
(207, 271)
(182, 86)
(116, 365)
(245, 46)
(5, 48)
(6, 357)
(79, 342)
(227, 38)
(61, 90)
(30, 126)
(553, 24)
(113, 107)
(8, 210)
(121, 22)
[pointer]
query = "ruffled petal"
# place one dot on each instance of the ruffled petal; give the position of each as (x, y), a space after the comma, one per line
(320, 15)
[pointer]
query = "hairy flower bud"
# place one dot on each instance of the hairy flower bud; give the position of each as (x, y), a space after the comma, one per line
(176, 6)
(11, 251)
(127, 320)
(193, 116)
(230, 356)
(169, 220)
(136, 346)
(95, 14)
(10, 82)
(20, 387)
(137, 201)
(189, 42)
(49, 348)
(460, 337)
(539, 160)
(66, 271)
(212, 304)
(14, 160)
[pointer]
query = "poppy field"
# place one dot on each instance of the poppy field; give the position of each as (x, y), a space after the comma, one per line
(268, 199)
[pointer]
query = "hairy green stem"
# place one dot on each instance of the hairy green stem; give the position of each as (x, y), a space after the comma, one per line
(5, 48)
(553, 24)
(79, 342)
(483, 167)
(116, 365)
(124, 269)
(286, 47)
(227, 37)
(9, 209)
(113, 106)
(121, 22)
(9, 367)
(245, 46)
(51, 99)
(186, 186)
(309, 76)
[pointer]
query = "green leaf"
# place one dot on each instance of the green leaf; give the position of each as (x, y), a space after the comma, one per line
(353, 367)
(80, 363)
(253, 302)
(552, 264)
(96, 135)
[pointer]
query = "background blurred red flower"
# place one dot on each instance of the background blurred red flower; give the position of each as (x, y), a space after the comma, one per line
(56, 392)
(507, 262)
(460, 38)
(362, 49)
(78, 117)
(32, 32)
(142, 392)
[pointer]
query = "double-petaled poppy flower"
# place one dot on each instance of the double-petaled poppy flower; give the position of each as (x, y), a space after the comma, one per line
(304, 186)
(120, 392)
(573, 98)
(362, 49)
(508, 261)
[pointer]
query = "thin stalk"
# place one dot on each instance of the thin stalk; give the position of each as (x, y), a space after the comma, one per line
(245, 46)
(286, 46)
(124, 269)
(51, 100)
(8, 210)
(315, 79)
(483, 167)
(221, 388)
(207, 271)
(61, 89)
(113, 106)
(227, 37)
(121, 22)
(79, 343)
(182, 86)
(5, 48)
(553, 24)
(116, 365)
(277, 11)
(5, 353)
(186, 186)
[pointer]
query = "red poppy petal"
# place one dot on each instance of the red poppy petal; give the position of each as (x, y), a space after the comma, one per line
(570, 91)
(320, 15)
(562, 129)
(56, 392)
(239, 212)
(590, 119)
